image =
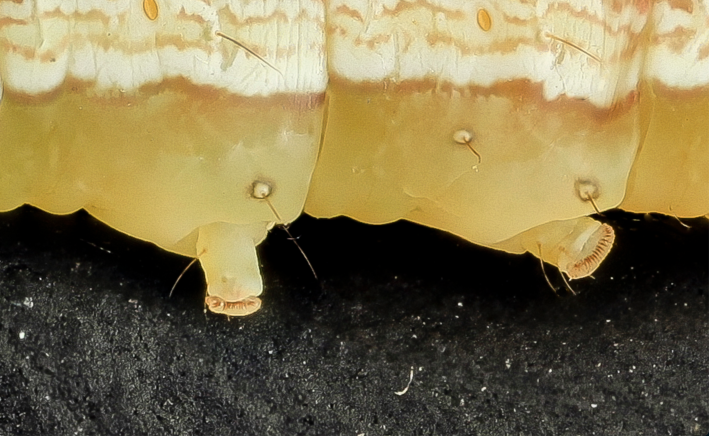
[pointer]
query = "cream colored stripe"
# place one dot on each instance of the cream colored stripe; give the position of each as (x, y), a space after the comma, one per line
(117, 46)
(594, 50)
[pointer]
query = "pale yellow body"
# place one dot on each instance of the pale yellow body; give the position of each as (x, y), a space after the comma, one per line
(199, 125)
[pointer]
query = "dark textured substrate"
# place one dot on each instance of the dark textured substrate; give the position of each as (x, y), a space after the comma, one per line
(90, 343)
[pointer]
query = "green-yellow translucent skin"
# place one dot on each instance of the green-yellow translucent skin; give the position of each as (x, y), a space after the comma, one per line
(158, 168)
(175, 167)
(389, 155)
(671, 172)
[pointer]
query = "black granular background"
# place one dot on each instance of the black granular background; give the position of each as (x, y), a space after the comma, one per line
(90, 343)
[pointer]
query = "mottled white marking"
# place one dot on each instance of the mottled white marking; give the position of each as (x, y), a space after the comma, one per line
(115, 46)
(400, 41)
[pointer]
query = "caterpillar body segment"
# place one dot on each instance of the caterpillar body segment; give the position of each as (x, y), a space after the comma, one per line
(162, 128)
(562, 102)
